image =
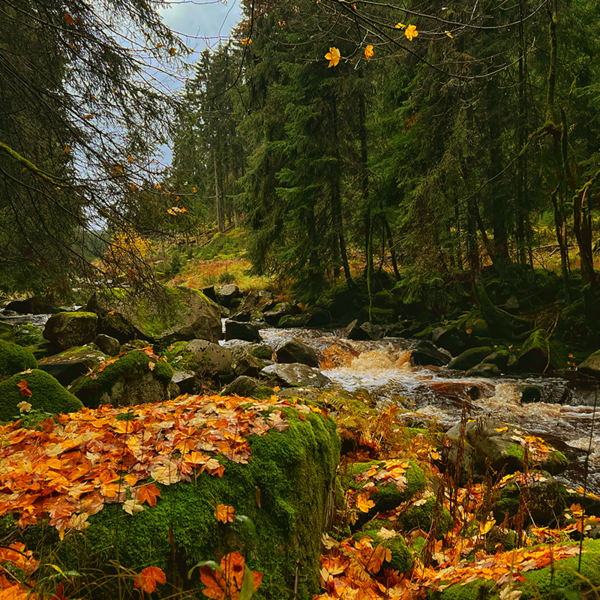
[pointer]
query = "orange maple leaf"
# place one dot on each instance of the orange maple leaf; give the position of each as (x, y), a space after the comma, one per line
(224, 513)
(148, 579)
(229, 583)
(363, 503)
(22, 385)
(149, 494)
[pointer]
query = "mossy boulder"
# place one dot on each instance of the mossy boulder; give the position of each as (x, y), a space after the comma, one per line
(46, 394)
(14, 359)
(401, 559)
(274, 314)
(170, 313)
(72, 363)
(7, 333)
(420, 516)
(389, 494)
(486, 370)
(244, 363)
(540, 353)
(289, 321)
(69, 329)
(135, 378)
(470, 358)
(211, 360)
(490, 443)
(591, 365)
(284, 489)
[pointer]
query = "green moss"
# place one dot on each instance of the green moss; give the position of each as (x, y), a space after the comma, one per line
(516, 451)
(6, 333)
(402, 558)
(421, 517)
(294, 471)
(129, 367)
(46, 394)
(14, 359)
(262, 392)
(556, 463)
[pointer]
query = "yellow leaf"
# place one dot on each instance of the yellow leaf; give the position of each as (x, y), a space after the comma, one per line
(67, 149)
(134, 187)
(130, 159)
(484, 528)
(172, 51)
(151, 366)
(194, 190)
(449, 34)
(411, 32)
(501, 429)
(369, 52)
(400, 26)
(363, 503)
(333, 56)
(246, 41)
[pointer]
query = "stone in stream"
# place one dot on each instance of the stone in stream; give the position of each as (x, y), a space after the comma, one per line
(490, 443)
(591, 365)
(248, 332)
(14, 359)
(448, 340)
(226, 294)
(185, 381)
(273, 315)
(295, 351)
(540, 353)
(290, 321)
(35, 306)
(426, 354)
(487, 370)
(68, 329)
(365, 332)
(469, 358)
(296, 374)
(530, 393)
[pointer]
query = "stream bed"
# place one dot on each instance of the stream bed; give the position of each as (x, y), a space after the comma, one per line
(564, 417)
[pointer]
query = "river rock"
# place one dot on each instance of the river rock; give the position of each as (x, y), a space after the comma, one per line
(245, 363)
(308, 393)
(247, 387)
(530, 393)
(46, 394)
(365, 331)
(273, 315)
(211, 360)
(539, 353)
(426, 354)
(68, 329)
(290, 321)
(295, 351)
(499, 358)
(296, 374)
(108, 345)
(501, 446)
(449, 340)
(242, 331)
(487, 370)
(70, 364)
(242, 316)
(185, 381)
(319, 317)
(14, 359)
(226, 294)
(210, 292)
(469, 358)
(135, 378)
(173, 313)
(591, 365)
(35, 306)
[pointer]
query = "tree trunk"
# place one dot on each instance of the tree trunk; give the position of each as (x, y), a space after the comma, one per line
(362, 131)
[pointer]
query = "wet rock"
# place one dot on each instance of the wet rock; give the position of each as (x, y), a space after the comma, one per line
(319, 318)
(35, 306)
(242, 331)
(309, 393)
(398, 331)
(247, 387)
(265, 295)
(135, 378)
(108, 345)
(243, 316)
(530, 393)
(210, 292)
(426, 354)
(174, 313)
(68, 329)
(490, 443)
(460, 390)
(273, 315)
(591, 365)
(295, 374)
(211, 360)
(366, 331)
(268, 305)
(294, 320)
(483, 369)
(539, 353)
(295, 351)
(226, 294)
(469, 358)
(14, 359)
(500, 359)
(448, 340)
(67, 366)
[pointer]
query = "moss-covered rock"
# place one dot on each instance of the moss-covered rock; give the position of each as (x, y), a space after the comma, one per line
(46, 394)
(591, 365)
(14, 359)
(69, 329)
(172, 313)
(401, 557)
(540, 353)
(469, 358)
(284, 489)
(72, 363)
(289, 321)
(7, 333)
(135, 378)
(421, 517)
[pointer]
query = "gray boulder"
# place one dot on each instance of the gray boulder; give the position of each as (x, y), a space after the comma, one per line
(68, 329)
(426, 354)
(295, 374)
(591, 365)
(366, 331)
(244, 363)
(226, 294)
(108, 345)
(273, 315)
(67, 366)
(484, 369)
(211, 359)
(295, 351)
(173, 313)
(185, 380)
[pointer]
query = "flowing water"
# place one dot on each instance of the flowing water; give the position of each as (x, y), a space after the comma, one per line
(432, 394)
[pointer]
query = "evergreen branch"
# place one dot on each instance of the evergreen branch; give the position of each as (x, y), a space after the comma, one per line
(28, 164)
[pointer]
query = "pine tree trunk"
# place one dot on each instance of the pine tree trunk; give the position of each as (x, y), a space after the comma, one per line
(362, 131)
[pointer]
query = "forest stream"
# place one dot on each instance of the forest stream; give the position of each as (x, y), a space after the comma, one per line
(564, 417)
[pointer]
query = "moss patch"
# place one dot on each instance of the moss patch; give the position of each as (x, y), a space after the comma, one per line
(46, 394)
(14, 359)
